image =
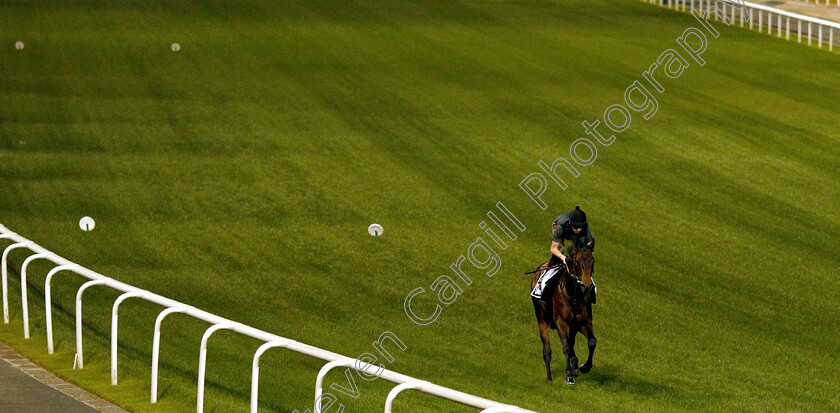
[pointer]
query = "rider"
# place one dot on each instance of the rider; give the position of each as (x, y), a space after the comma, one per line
(571, 226)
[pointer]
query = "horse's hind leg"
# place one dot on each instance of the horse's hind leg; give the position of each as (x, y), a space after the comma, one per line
(545, 331)
(587, 331)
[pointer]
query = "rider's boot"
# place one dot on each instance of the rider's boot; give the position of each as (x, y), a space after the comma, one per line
(544, 303)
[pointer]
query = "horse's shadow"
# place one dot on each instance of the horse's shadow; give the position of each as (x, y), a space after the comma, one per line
(613, 379)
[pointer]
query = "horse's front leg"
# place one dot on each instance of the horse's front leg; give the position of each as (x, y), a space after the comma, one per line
(567, 339)
(587, 331)
(573, 371)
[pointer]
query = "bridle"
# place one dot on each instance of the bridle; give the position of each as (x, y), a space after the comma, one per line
(586, 289)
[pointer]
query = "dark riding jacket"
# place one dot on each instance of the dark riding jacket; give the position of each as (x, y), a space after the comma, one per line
(564, 231)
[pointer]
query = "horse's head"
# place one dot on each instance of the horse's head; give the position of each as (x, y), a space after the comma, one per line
(583, 264)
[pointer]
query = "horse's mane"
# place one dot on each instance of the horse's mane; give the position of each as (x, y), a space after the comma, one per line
(583, 255)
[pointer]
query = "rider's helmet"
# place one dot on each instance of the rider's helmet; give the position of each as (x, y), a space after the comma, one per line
(577, 218)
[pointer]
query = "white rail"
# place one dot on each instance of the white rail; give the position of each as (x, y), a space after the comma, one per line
(5, 278)
(217, 323)
(797, 16)
(755, 13)
(821, 2)
(389, 401)
(255, 369)
(48, 301)
(24, 301)
(319, 381)
(114, 331)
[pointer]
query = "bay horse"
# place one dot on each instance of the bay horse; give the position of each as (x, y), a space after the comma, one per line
(571, 310)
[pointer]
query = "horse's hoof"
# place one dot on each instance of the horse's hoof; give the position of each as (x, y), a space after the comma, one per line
(585, 369)
(570, 380)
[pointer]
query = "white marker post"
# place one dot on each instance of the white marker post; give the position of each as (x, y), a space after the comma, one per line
(375, 230)
(87, 224)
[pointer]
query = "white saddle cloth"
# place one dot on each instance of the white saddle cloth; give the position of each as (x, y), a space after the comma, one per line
(546, 277)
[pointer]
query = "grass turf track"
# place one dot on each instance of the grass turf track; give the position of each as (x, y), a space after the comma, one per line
(239, 176)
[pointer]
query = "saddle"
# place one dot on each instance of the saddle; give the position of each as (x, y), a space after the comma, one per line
(581, 292)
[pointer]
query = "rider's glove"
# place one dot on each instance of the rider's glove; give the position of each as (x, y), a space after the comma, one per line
(568, 261)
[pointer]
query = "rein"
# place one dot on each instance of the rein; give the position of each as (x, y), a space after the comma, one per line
(543, 269)
(586, 289)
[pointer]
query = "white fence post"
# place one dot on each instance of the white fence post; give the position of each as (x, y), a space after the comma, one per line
(809, 33)
(5, 299)
(255, 370)
(799, 30)
(114, 330)
(819, 35)
(48, 303)
(389, 401)
(769, 23)
(787, 28)
(202, 360)
(319, 382)
(5, 280)
(24, 302)
(769, 19)
(156, 346)
(80, 359)
(830, 39)
(779, 26)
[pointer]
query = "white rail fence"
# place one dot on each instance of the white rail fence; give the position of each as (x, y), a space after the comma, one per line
(821, 2)
(216, 323)
(760, 16)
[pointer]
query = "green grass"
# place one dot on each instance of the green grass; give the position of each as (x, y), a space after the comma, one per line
(239, 176)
